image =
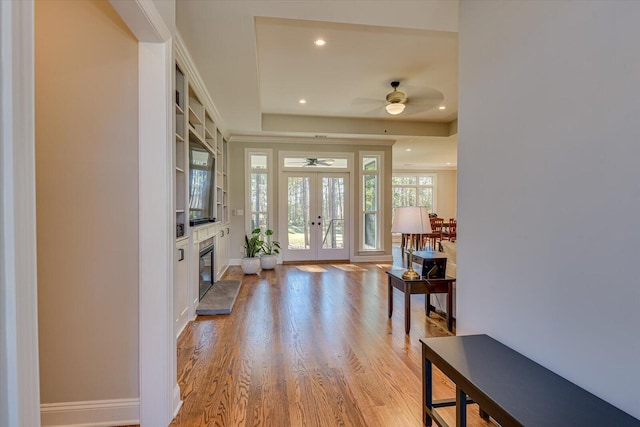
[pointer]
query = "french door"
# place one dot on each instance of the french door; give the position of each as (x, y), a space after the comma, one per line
(314, 213)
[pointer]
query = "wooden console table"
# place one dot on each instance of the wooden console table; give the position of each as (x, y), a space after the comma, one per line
(420, 286)
(509, 387)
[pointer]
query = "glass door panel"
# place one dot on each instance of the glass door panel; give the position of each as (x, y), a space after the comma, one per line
(298, 230)
(333, 213)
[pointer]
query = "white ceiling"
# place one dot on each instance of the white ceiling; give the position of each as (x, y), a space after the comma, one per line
(257, 59)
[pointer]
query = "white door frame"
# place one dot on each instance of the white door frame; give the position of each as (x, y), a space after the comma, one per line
(20, 385)
(315, 251)
(20, 393)
(159, 391)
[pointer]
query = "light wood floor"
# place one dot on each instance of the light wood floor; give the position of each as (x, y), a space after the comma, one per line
(309, 345)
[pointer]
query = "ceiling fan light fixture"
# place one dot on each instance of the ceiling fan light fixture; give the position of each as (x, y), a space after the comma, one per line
(395, 108)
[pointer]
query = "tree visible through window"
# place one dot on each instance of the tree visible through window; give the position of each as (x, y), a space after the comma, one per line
(413, 190)
(258, 191)
(370, 190)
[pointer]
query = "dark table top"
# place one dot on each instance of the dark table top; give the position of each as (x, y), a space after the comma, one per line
(532, 394)
(429, 255)
(398, 274)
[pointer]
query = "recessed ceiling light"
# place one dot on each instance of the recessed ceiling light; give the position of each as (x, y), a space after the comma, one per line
(319, 42)
(303, 101)
(408, 149)
(442, 107)
(448, 163)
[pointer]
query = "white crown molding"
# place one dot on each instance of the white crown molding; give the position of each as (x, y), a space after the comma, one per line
(96, 413)
(186, 62)
(274, 139)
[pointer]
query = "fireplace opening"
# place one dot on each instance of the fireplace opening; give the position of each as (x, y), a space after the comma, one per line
(207, 268)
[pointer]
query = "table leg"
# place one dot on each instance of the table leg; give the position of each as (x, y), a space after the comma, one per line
(390, 298)
(407, 308)
(461, 408)
(427, 393)
(427, 304)
(450, 307)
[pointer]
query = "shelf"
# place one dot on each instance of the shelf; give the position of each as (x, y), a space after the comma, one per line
(181, 238)
(207, 133)
(192, 131)
(179, 138)
(193, 117)
(179, 169)
(179, 211)
(179, 110)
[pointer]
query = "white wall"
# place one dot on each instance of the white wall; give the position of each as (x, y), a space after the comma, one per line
(549, 186)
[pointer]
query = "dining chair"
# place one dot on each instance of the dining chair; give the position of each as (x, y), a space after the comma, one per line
(451, 232)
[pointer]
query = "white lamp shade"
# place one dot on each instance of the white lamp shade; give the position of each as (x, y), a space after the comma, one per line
(411, 220)
(395, 108)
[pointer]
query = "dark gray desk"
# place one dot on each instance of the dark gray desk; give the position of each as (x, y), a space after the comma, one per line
(509, 387)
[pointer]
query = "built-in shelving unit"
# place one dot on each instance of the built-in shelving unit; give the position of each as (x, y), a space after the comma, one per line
(196, 121)
(180, 155)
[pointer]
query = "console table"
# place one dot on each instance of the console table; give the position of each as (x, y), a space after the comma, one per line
(509, 387)
(420, 286)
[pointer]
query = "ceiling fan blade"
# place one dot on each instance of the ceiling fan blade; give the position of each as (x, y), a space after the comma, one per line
(368, 101)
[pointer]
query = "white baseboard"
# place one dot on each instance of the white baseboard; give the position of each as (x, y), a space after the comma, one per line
(372, 258)
(96, 413)
(235, 261)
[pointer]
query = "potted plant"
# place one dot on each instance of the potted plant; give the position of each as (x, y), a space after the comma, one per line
(252, 245)
(270, 251)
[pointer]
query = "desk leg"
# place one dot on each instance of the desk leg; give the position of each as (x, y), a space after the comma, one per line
(390, 298)
(450, 307)
(407, 308)
(427, 393)
(461, 408)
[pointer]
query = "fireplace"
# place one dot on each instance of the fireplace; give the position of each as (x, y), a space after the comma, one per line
(207, 270)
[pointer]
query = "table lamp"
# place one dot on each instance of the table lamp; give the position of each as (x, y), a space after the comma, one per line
(411, 220)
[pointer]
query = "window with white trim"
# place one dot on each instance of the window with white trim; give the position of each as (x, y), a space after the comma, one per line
(370, 169)
(258, 191)
(414, 189)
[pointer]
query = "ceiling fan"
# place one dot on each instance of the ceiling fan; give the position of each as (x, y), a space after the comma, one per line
(312, 162)
(396, 100)
(423, 98)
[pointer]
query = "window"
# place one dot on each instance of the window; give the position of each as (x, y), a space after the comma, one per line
(413, 190)
(258, 203)
(371, 201)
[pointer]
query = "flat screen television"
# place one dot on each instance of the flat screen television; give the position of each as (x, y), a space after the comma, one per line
(201, 184)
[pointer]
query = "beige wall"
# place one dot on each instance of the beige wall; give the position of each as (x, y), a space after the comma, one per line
(237, 184)
(446, 190)
(87, 201)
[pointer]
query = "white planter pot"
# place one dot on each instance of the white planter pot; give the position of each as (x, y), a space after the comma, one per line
(250, 265)
(268, 262)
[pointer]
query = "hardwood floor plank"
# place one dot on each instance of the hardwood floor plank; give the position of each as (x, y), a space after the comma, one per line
(309, 346)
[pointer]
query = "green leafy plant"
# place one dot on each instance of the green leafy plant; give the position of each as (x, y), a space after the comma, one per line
(253, 244)
(270, 247)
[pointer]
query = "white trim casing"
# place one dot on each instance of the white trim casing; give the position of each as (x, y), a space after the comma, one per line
(19, 379)
(158, 370)
(381, 231)
(143, 19)
(97, 413)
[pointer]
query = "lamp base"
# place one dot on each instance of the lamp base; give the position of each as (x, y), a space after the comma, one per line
(410, 274)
